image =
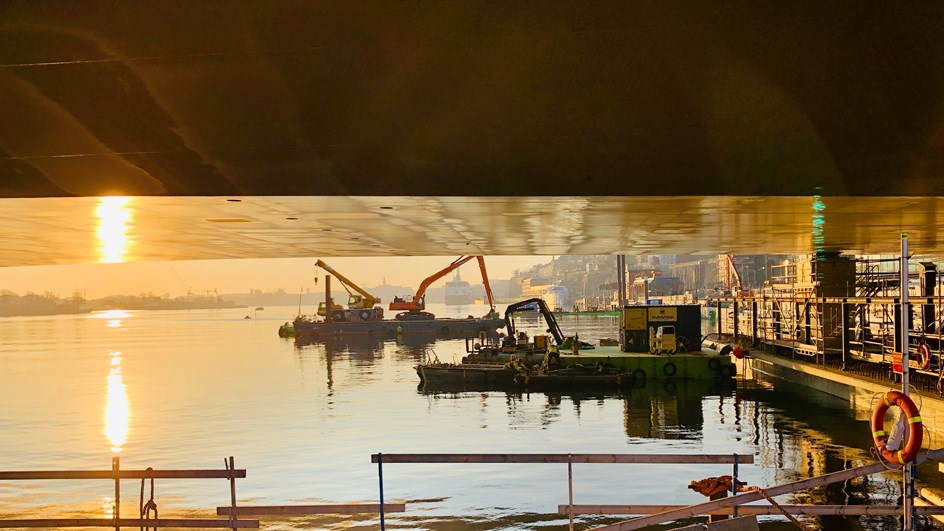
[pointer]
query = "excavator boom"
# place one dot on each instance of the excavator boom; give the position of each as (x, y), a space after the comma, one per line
(552, 327)
(488, 288)
(418, 303)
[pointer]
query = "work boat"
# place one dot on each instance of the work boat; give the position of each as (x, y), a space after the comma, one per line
(657, 343)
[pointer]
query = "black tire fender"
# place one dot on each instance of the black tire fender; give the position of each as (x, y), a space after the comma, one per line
(669, 369)
(714, 364)
(639, 378)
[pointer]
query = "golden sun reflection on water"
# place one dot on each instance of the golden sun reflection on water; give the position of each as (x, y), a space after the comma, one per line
(111, 314)
(108, 507)
(113, 214)
(117, 408)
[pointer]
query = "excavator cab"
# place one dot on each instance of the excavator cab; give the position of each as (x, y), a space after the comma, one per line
(357, 302)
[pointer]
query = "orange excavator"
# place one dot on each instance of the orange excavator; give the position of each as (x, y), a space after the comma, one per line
(415, 307)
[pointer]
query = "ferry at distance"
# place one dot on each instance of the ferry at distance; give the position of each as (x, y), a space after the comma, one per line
(557, 297)
(458, 291)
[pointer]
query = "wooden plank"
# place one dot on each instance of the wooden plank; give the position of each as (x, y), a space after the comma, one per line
(748, 523)
(931, 498)
(340, 508)
(746, 497)
(130, 522)
(758, 510)
(747, 459)
(122, 474)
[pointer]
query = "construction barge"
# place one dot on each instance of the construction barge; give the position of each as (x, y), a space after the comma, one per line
(654, 345)
(364, 316)
(307, 329)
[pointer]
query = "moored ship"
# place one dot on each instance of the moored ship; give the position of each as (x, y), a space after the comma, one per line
(458, 291)
(557, 297)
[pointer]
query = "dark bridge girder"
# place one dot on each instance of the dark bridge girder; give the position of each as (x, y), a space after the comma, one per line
(471, 98)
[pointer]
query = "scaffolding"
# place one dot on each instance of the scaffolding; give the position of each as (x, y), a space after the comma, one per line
(840, 312)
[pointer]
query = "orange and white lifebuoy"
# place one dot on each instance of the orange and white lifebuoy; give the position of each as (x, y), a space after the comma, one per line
(924, 356)
(915, 428)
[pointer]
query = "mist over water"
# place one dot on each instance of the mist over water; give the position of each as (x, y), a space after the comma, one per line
(184, 389)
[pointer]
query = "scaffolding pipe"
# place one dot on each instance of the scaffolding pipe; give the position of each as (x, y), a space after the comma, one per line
(908, 469)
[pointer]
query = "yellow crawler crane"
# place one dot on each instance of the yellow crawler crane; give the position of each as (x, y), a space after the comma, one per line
(361, 306)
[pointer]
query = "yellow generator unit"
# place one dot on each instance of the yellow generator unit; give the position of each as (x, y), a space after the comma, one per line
(662, 340)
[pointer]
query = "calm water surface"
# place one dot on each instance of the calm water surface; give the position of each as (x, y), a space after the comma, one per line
(184, 389)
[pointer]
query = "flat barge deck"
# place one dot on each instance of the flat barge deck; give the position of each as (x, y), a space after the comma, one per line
(704, 364)
(604, 367)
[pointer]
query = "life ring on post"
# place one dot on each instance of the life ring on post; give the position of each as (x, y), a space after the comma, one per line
(924, 352)
(738, 353)
(915, 428)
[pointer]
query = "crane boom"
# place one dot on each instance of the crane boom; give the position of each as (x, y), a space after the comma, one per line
(733, 272)
(365, 300)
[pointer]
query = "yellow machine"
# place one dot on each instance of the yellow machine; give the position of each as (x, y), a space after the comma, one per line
(663, 340)
(360, 305)
(322, 306)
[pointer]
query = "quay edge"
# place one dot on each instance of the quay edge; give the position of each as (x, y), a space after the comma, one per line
(860, 392)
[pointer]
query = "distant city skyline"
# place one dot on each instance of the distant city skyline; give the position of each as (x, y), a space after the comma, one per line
(240, 276)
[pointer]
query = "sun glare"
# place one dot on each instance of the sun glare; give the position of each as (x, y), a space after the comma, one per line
(117, 409)
(111, 314)
(113, 215)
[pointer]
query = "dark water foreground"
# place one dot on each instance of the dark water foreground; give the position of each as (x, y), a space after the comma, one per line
(184, 389)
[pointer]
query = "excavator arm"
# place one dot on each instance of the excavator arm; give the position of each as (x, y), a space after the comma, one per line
(488, 288)
(549, 318)
(419, 303)
(366, 300)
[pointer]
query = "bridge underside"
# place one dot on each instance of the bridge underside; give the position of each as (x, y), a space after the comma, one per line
(526, 128)
(89, 229)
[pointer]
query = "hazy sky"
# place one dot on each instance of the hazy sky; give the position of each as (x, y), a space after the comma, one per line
(239, 276)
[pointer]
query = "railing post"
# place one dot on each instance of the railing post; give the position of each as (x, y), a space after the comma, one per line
(115, 466)
(570, 488)
(380, 477)
(734, 483)
(231, 470)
